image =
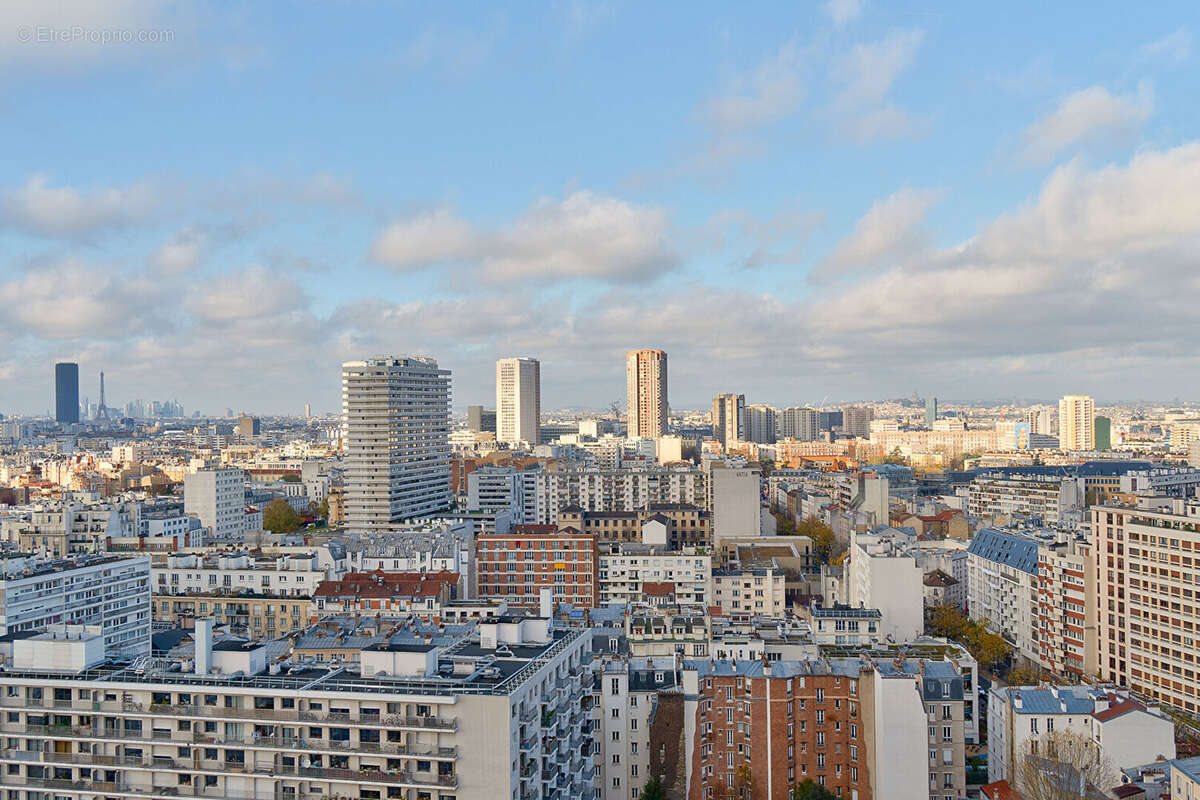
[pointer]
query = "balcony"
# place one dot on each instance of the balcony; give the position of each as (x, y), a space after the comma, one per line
(186, 738)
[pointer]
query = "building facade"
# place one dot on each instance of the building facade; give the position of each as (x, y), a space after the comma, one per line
(218, 498)
(519, 400)
(646, 394)
(1077, 422)
(396, 418)
(516, 567)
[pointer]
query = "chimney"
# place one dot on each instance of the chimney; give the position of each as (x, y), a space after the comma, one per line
(204, 645)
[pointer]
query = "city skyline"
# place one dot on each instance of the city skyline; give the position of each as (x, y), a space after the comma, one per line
(849, 201)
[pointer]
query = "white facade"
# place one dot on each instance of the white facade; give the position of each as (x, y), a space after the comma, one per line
(628, 694)
(292, 575)
(752, 591)
(623, 574)
(736, 500)
(518, 400)
(218, 498)
(880, 576)
(106, 591)
(396, 428)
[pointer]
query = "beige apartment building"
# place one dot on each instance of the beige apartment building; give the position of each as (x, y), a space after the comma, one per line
(646, 386)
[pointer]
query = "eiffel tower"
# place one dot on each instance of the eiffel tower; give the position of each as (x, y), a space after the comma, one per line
(102, 410)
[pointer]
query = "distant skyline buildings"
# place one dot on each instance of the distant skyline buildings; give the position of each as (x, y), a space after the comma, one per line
(646, 393)
(518, 400)
(728, 418)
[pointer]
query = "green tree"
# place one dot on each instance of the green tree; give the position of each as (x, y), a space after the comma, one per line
(280, 517)
(290, 478)
(810, 790)
(654, 790)
(1025, 675)
(323, 509)
(824, 542)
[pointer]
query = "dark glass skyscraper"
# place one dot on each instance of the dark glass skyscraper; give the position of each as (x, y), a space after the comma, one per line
(66, 392)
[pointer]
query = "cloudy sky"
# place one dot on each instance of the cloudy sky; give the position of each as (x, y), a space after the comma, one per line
(798, 201)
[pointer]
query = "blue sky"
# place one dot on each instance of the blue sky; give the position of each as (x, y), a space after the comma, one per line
(844, 200)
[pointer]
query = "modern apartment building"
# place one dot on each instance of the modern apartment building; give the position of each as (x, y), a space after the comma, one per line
(760, 424)
(218, 498)
(519, 400)
(396, 417)
(1077, 422)
(1147, 557)
(1043, 496)
(1002, 587)
(646, 394)
(111, 592)
(1066, 610)
(856, 421)
(799, 423)
(631, 489)
(501, 713)
(728, 419)
(516, 567)
(753, 589)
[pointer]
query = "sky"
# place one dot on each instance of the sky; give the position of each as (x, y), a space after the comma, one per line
(802, 202)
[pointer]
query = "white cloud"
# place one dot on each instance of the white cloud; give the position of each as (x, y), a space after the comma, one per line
(68, 212)
(425, 239)
(253, 293)
(866, 75)
(843, 12)
(181, 253)
(1175, 46)
(888, 231)
(585, 235)
(771, 91)
(71, 298)
(1089, 115)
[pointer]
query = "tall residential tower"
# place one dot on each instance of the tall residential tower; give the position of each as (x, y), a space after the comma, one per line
(518, 400)
(396, 433)
(728, 419)
(1077, 422)
(646, 384)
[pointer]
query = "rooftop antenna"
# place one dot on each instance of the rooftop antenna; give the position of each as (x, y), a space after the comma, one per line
(102, 410)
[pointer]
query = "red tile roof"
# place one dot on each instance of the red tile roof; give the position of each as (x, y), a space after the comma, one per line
(658, 588)
(1000, 790)
(1117, 707)
(380, 584)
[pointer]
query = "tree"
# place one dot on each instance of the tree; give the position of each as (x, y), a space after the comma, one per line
(654, 790)
(745, 785)
(895, 457)
(1063, 765)
(809, 790)
(290, 478)
(824, 542)
(1024, 675)
(323, 509)
(988, 648)
(280, 517)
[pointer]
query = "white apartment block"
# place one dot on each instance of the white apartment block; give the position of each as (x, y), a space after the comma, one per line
(60, 528)
(624, 573)
(500, 714)
(626, 694)
(1148, 597)
(879, 575)
(518, 400)
(1045, 497)
(1077, 422)
(1127, 732)
(218, 498)
(111, 592)
(396, 428)
(754, 590)
(1002, 587)
(291, 575)
(1162, 482)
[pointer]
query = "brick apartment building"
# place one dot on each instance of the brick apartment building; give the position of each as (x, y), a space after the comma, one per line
(686, 525)
(515, 567)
